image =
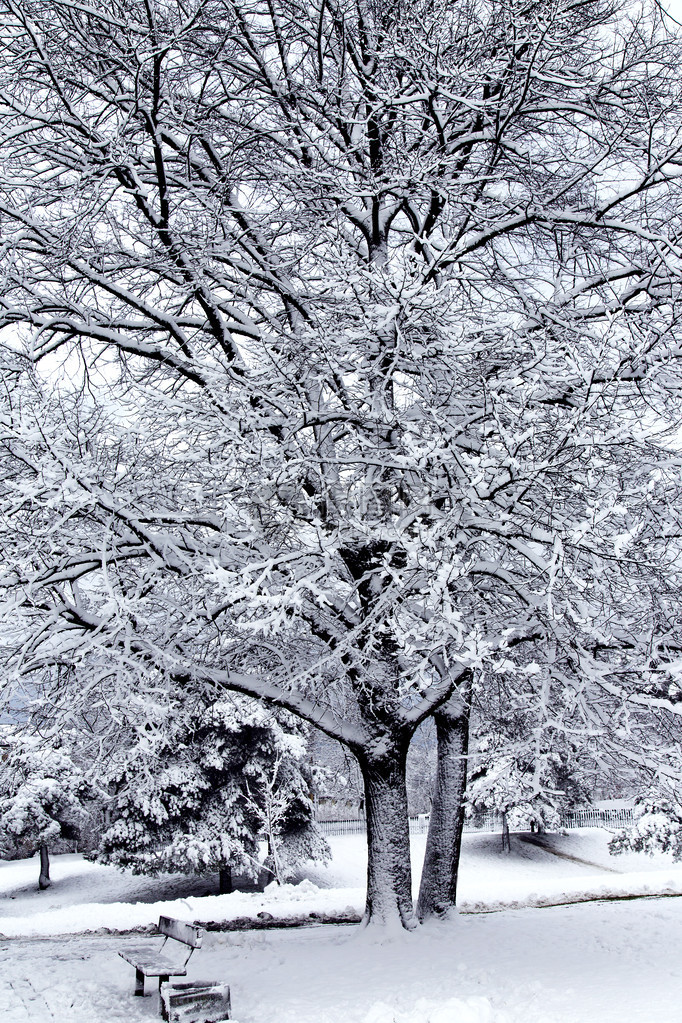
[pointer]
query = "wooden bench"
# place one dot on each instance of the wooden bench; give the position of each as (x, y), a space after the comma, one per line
(149, 962)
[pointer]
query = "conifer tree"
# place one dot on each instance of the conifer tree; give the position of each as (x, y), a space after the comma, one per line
(199, 795)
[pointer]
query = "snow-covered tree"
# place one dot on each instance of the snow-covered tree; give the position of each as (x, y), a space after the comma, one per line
(198, 795)
(531, 755)
(44, 796)
(656, 826)
(358, 307)
(530, 790)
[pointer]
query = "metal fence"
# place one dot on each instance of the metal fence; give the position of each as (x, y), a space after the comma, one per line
(589, 818)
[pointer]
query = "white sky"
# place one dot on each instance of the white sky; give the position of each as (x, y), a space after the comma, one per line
(675, 8)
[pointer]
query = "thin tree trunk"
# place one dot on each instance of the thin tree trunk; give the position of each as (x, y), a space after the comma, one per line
(438, 888)
(389, 877)
(44, 879)
(225, 886)
(506, 840)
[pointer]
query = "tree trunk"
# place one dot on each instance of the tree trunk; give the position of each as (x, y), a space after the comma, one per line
(506, 840)
(389, 877)
(438, 889)
(225, 886)
(44, 879)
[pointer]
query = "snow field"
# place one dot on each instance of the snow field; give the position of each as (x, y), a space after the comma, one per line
(86, 897)
(614, 962)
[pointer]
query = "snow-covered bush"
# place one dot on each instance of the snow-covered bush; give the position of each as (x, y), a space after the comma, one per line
(656, 827)
(199, 798)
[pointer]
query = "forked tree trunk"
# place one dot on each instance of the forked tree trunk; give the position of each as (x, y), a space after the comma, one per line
(44, 879)
(438, 889)
(389, 877)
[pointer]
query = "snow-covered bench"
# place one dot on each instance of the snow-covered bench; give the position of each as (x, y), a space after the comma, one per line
(149, 962)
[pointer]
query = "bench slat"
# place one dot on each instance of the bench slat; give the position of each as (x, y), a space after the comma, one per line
(188, 934)
(151, 964)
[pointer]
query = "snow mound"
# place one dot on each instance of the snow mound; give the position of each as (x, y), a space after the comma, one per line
(283, 903)
(291, 892)
(428, 1010)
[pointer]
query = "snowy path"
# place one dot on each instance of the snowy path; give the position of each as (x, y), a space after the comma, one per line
(545, 843)
(69, 980)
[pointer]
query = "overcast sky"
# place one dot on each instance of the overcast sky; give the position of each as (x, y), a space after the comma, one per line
(675, 8)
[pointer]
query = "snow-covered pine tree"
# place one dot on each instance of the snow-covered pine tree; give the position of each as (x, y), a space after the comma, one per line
(44, 796)
(198, 795)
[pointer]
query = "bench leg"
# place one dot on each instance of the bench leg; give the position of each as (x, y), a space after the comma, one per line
(139, 982)
(162, 1003)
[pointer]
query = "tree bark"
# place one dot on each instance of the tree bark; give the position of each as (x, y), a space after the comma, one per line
(389, 877)
(44, 879)
(225, 886)
(438, 888)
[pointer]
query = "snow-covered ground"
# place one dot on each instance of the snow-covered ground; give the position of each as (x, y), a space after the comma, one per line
(89, 897)
(592, 963)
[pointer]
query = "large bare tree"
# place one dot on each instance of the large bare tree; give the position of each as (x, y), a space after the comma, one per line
(343, 308)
